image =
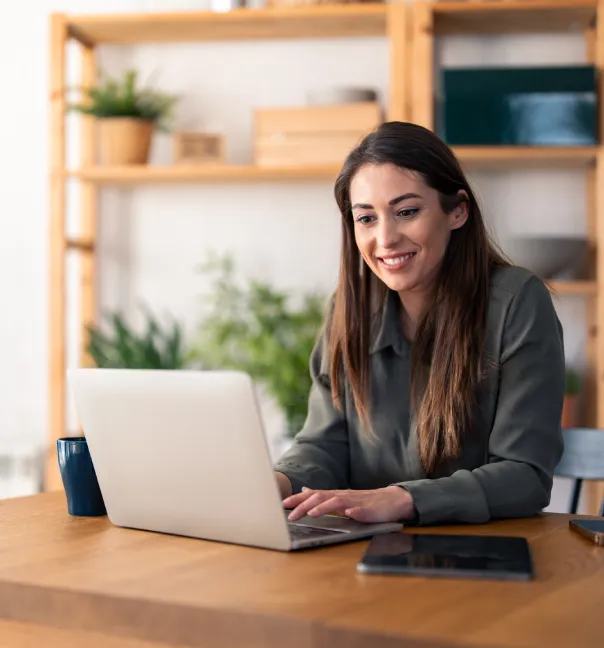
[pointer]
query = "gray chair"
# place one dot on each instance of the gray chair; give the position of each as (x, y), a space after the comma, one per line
(583, 459)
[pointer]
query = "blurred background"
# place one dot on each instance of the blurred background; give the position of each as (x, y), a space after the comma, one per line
(167, 229)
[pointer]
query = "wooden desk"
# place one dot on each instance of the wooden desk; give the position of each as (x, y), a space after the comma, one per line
(82, 582)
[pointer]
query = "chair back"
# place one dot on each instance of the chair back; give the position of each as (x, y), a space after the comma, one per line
(583, 458)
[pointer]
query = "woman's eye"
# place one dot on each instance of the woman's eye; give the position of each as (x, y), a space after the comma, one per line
(364, 219)
(407, 213)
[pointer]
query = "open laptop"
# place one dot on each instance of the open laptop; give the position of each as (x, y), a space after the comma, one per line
(184, 452)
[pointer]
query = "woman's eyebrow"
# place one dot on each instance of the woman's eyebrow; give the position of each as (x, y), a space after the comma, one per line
(392, 202)
(406, 196)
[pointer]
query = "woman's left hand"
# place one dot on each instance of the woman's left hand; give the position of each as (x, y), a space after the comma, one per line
(389, 504)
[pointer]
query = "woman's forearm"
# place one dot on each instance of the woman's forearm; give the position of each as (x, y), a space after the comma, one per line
(285, 486)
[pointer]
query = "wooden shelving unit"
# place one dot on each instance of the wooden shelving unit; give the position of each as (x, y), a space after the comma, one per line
(501, 157)
(203, 173)
(474, 158)
(573, 287)
(328, 21)
(331, 21)
(513, 16)
(410, 31)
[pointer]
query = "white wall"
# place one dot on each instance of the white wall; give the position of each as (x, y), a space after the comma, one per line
(152, 238)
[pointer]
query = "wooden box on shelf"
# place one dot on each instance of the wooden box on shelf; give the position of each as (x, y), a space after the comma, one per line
(311, 134)
(198, 148)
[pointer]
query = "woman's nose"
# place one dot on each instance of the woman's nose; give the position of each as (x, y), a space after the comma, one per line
(387, 235)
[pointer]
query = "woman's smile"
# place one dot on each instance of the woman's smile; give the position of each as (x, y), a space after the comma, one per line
(393, 263)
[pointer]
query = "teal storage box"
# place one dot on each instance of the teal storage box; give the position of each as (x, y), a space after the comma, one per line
(551, 106)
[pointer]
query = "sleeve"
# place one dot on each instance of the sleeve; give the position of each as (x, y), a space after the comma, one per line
(525, 444)
(319, 456)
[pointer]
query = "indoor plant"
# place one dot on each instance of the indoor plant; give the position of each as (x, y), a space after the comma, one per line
(572, 387)
(126, 115)
(261, 330)
(120, 346)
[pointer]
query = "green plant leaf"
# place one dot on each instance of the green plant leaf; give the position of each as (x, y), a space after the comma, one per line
(258, 329)
(122, 347)
(123, 98)
(572, 381)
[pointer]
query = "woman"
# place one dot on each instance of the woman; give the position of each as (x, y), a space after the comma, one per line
(439, 377)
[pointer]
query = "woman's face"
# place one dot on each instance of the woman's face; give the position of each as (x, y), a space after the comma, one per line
(400, 227)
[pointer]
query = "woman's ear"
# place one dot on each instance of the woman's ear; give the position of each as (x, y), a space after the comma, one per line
(459, 215)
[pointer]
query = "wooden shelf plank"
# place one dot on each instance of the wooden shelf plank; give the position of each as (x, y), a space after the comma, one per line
(472, 157)
(240, 24)
(573, 287)
(513, 16)
(129, 175)
(488, 157)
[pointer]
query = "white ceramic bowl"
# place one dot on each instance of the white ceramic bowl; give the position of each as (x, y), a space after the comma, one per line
(549, 257)
(340, 95)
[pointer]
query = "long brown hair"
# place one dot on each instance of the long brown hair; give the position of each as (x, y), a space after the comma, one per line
(446, 363)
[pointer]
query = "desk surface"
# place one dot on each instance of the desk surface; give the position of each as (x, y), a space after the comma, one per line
(96, 585)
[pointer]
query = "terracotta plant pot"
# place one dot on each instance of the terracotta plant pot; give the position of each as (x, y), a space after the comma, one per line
(124, 141)
(569, 411)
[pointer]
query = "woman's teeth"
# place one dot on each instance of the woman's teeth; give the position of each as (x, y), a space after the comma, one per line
(398, 260)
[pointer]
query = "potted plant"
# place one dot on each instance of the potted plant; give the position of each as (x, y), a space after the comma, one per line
(119, 346)
(572, 387)
(261, 330)
(126, 117)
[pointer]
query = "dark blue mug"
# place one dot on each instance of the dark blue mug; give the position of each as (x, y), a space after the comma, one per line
(79, 478)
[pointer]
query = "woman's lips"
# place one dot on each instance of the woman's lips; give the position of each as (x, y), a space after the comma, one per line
(393, 263)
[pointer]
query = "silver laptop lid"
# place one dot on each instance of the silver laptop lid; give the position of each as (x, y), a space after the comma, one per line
(181, 452)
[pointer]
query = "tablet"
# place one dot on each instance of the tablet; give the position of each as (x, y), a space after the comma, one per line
(457, 556)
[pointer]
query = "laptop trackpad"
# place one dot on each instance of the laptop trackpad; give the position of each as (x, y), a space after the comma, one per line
(331, 522)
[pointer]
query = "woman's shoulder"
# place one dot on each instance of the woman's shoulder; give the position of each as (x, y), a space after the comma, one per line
(517, 297)
(506, 282)
(520, 310)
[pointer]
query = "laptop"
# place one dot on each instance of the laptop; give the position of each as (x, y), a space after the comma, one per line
(185, 453)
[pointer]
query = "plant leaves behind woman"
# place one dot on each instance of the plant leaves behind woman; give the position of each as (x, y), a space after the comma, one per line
(120, 346)
(258, 329)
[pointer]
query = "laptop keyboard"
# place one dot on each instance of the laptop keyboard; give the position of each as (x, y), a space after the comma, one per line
(299, 532)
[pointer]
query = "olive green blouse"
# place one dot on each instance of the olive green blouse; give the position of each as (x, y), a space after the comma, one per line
(506, 465)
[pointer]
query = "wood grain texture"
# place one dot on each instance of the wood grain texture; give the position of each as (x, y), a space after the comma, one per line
(183, 173)
(84, 575)
(57, 288)
(33, 635)
(593, 332)
(399, 38)
(363, 19)
(596, 313)
(596, 231)
(513, 16)
(486, 158)
(422, 70)
(472, 157)
(88, 214)
(559, 288)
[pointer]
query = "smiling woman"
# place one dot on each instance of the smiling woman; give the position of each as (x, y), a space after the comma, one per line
(438, 379)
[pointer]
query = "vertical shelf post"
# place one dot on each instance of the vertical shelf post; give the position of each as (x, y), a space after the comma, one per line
(595, 346)
(398, 33)
(57, 296)
(422, 65)
(88, 212)
(591, 311)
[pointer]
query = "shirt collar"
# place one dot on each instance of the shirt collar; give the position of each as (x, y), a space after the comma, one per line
(388, 327)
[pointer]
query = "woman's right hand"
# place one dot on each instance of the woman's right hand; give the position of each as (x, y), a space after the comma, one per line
(285, 486)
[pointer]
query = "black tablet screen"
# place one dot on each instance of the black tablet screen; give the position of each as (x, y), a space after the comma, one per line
(469, 556)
